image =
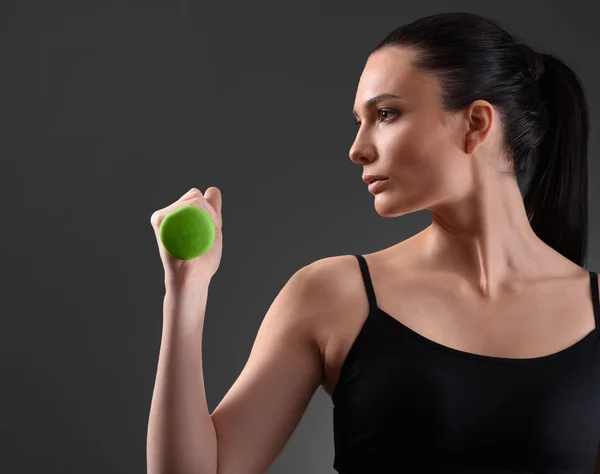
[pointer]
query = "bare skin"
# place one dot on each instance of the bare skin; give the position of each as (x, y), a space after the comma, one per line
(477, 279)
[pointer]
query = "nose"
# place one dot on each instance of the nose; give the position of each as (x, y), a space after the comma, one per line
(361, 151)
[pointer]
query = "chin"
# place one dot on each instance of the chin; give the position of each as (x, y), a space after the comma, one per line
(390, 208)
(388, 212)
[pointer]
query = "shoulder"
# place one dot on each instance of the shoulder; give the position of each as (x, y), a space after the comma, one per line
(308, 304)
(332, 292)
(335, 266)
(313, 292)
(324, 288)
(330, 277)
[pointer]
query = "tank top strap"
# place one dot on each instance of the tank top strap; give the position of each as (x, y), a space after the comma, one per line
(364, 269)
(595, 298)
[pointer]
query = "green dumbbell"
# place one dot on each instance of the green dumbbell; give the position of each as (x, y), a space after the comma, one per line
(188, 232)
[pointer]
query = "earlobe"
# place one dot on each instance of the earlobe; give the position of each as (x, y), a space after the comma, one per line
(468, 145)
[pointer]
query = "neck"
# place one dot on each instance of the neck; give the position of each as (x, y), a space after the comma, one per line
(486, 238)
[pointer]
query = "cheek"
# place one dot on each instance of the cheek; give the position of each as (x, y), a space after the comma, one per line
(428, 163)
(416, 155)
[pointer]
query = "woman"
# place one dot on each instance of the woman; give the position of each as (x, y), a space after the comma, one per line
(473, 346)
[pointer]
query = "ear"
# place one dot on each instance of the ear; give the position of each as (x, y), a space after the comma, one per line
(481, 116)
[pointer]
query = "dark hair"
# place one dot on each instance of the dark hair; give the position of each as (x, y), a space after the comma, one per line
(541, 104)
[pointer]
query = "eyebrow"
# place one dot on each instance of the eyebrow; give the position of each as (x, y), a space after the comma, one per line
(378, 98)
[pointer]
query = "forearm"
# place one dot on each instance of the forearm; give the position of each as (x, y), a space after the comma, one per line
(181, 435)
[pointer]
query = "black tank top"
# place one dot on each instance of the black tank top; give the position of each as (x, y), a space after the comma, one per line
(406, 404)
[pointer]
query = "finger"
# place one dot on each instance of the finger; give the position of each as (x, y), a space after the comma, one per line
(157, 216)
(215, 199)
(190, 193)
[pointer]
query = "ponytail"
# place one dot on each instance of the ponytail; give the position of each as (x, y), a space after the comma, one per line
(557, 197)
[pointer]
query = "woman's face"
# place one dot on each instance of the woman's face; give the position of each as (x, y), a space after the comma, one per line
(416, 144)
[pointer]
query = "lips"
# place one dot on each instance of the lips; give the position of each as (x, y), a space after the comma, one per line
(377, 184)
(369, 178)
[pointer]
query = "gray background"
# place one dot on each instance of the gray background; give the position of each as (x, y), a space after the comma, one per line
(119, 108)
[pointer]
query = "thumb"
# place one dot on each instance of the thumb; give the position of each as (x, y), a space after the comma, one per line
(215, 199)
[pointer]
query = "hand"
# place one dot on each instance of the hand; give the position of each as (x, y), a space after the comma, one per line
(204, 266)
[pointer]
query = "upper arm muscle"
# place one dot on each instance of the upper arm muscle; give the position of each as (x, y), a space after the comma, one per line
(261, 410)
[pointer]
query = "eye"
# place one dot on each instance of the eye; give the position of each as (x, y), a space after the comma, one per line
(379, 112)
